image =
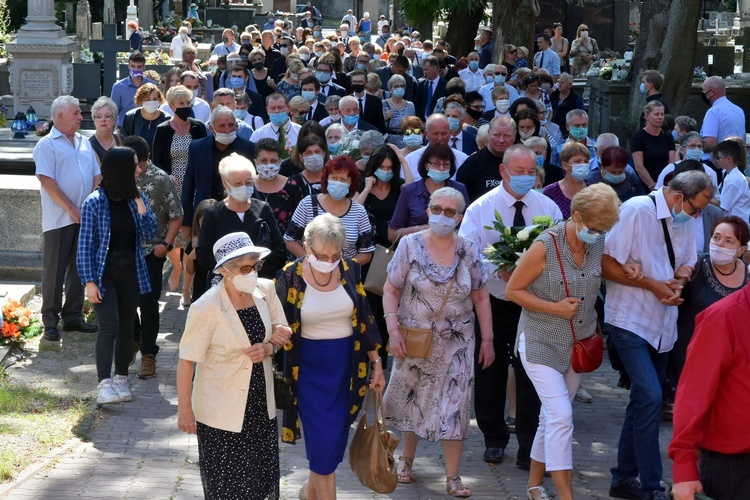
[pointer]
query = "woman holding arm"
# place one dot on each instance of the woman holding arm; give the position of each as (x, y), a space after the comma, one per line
(430, 398)
(545, 340)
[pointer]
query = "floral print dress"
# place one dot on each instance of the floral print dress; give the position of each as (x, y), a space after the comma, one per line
(432, 397)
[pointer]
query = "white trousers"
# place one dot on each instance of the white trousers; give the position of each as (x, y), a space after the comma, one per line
(553, 443)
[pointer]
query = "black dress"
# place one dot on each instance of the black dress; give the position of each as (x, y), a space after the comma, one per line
(243, 465)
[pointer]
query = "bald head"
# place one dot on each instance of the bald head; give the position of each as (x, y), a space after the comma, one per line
(713, 88)
(437, 129)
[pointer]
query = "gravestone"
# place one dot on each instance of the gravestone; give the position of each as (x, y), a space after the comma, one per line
(146, 14)
(110, 46)
(132, 15)
(97, 32)
(83, 27)
(41, 68)
(108, 12)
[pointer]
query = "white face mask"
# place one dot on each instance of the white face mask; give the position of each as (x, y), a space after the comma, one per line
(225, 138)
(335, 118)
(241, 193)
(502, 105)
(268, 171)
(525, 135)
(151, 106)
(195, 93)
(721, 255)
(313, 163)
(246, 283)
(322, 267)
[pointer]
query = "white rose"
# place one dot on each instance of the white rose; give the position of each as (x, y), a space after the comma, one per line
(523, 235)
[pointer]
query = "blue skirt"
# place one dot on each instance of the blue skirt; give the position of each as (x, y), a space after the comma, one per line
(323, 400)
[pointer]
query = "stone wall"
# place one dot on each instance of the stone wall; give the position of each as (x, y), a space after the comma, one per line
(21, 228)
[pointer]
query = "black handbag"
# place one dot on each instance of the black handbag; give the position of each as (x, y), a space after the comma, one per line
(281, 390)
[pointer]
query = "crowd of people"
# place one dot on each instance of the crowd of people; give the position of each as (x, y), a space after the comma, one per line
(270, 180)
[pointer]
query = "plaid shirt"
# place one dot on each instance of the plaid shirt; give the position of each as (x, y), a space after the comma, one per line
(93, 240)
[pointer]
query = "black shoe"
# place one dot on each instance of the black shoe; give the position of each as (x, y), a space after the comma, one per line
(51, 334)
(630, 489)
(523, 465)
(80, 326)
(494, 455)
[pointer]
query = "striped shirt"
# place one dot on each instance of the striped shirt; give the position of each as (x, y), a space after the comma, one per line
(359, 236)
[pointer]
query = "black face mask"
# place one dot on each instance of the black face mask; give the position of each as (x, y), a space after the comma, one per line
(358, 87)
(258, 65)
(225, 39)
(705, 99)
(474, 113)
(183, 113)
(244, 57)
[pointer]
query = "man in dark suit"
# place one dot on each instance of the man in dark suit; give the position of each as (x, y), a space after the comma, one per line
(310, 90)
(202, 180)
(430, 88)
(414, 69)
(484, 42)
(399, 66)
(324, 73)
(349, 108)
(370, 106)
(464, 140)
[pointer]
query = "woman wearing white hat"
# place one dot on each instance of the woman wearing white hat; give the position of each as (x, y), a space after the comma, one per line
(230, 335)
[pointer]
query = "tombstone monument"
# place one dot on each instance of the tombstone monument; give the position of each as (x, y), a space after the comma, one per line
(41, 69)
(83, 27)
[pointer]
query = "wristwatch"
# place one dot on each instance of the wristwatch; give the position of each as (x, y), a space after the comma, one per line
(169, 246)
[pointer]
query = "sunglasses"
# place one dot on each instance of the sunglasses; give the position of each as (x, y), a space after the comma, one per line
(437, 209)
(245, 270)
(410, 131)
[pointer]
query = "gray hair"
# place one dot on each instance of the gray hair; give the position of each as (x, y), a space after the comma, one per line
(575, 113)
(371, 140)
(396, 79)
(223, 91)
(515, 150)
(100, 103)
(489, 68)
(535, 142)
(326, 229)
(337, 126)
(455, 105)
(540, 105)
(220, 111)
(691, 183)
(235, 163)
(686, 123)
(565, 76)
(333, 100)
(688, 137)
(605, 141)
(449, 193)
(349, 99)
(483, 136)
(60, 103)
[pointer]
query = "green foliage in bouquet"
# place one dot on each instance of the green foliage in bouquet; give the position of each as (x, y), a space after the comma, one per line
(514, 240)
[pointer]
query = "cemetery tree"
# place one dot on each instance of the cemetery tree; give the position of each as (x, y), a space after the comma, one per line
(667, 43)
(514, 22)
(464, 18)
(420, 14)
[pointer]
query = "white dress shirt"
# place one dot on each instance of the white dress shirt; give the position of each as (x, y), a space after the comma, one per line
(481, 213)
(459, 140)
(638, 238)
(271, 131)
(473, 80)
(670, 168)
(201, 110)
(735, 195)
(413, 160)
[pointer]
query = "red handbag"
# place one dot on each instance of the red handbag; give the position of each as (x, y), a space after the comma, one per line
(587, 353)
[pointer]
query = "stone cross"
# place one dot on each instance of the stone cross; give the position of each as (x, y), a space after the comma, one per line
(83, 27)
(110, 46)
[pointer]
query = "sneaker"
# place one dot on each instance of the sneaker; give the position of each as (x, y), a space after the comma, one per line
(148, 366)
(122, 387)
(51, 334)
(584, 396)
(107, 394)
(630, 489)
(136, 348)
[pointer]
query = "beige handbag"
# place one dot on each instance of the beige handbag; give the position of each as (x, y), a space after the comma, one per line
(377, 274)
(371, 452)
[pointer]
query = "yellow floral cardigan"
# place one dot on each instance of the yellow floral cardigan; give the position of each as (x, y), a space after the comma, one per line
(290, 287)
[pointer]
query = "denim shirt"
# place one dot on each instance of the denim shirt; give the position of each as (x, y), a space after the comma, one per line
(93, 240)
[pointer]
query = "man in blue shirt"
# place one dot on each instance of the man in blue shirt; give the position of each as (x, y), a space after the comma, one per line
(547, 58)
(123, 91)
(271, 23)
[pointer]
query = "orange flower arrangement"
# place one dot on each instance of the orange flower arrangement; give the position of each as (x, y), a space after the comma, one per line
(18, 323)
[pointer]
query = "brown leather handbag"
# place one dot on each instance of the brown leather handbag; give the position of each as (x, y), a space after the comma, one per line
(371, 452)
(587, 353)
(418, 341)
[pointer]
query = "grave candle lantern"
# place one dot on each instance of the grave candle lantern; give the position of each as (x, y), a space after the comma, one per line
(19, 126)
(31, 118)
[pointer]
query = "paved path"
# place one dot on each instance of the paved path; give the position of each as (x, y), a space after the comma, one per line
(137, 452)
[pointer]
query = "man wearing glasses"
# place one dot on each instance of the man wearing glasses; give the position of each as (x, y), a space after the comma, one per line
(656, 232)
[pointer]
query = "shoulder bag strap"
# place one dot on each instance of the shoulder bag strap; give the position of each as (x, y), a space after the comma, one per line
(565, 280)
(667, 239)
(314, 201)
(445, 299)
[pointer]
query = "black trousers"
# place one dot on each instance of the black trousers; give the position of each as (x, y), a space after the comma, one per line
(725, 477)
(490, 386)
(147, 326)
(60, 269)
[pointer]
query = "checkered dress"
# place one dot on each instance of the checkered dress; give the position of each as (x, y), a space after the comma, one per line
(549, 340)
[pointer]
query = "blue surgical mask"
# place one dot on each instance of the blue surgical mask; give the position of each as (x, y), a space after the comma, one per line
(362, 67)
(454, 123)
(579, 171)
(585, 236)
(413, 140)
(522, 184)
(240, 114)
(539, 160)
(438, 175)
(334, 148)
(308, 95)
(499, 79)
(489, 78)
(614, 179)
(383, 175)
(694, 154)
(680, 217)
(237, 82)
(442, 225)
(675, 136)
(365, 159)
(579, 133)
(473, 65)
(642, 88)
(278, 119)
(543, 123)
(338, 190)
(351, 120)
(399, 92)
(322, 76)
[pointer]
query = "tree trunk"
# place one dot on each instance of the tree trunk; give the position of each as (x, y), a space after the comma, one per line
(667, 43)
(463, 26)
(514, 22)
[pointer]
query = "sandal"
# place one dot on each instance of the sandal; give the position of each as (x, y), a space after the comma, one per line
(540, 489)
(404, 472)
(456, 487)
(511, 423)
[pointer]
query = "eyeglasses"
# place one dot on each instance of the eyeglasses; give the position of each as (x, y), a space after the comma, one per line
(245, 270)
(110, 117)
(248, 184)
(722, 157)
(326, 258)
(410, 131)
(696, 211)
(441, 164)
(257, 40)
(437, 209)
(285, 46)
